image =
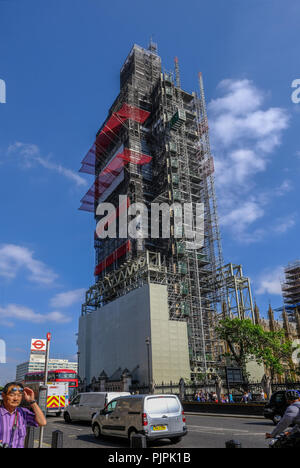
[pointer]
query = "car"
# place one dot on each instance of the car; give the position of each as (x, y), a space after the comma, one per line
(155, 416)
(276, 407)
(85, 405)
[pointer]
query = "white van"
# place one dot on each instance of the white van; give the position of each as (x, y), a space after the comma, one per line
(155, 416)
(85, 405)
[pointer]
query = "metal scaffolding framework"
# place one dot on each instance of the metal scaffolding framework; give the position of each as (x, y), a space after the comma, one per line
(168, 128)
(291, 290)
(238, 297)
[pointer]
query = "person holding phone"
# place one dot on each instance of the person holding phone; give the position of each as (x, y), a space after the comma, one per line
(14, 419)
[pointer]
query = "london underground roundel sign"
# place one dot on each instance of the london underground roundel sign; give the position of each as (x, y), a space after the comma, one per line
(38, 345)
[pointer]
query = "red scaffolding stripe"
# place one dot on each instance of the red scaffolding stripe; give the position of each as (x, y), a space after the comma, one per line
(109, 132)
(135, 157)
(133, 113)
(120, 252)
(111, 172)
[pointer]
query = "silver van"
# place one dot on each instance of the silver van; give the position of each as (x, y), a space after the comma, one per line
(85, 405)
(155, 416)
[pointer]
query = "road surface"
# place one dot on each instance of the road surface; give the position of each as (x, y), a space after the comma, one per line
(204, 431)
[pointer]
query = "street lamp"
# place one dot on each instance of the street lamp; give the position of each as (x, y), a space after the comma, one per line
(148, 343)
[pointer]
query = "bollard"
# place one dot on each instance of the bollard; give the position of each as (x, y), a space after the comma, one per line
(233, 444)
(138, 441)
(29, 439)
(57, 439)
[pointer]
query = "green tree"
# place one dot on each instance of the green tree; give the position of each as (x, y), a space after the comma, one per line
(275, 352)
(241, 337)
(248, 341)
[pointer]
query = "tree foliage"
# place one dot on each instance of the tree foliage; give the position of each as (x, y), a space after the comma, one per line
(248, 341)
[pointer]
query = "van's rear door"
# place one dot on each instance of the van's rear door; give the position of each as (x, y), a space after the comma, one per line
(164, 414)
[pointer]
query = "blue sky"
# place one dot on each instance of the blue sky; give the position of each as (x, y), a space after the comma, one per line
(60, 61)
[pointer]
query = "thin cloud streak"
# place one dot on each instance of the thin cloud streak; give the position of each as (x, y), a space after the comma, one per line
(67, 299)
(13, 313)
(15, 258)
(31, 156)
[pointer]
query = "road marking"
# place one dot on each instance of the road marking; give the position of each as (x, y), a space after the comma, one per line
(228, 432)
(218, 428)
(44, 443)
(207, 432)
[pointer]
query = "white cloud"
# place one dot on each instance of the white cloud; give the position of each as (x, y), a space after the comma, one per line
(244, 215)
(258, 128)
(238, 166)
(68, 298)
(14, 258)
(30, 156)
(284, 188)
(269, 282)
(238, 115)
(241, 97)
(13, 312)
(243, 137)
(284, 224)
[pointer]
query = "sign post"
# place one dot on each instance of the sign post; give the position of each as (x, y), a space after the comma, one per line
(44, 401)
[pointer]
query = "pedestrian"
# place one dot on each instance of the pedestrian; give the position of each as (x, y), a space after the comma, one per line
(245, 398)
(262, 396)
(14, 420)
(291, 418)
(231, 398)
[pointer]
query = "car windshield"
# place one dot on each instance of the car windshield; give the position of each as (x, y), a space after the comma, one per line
(111, 406)
(76, 400)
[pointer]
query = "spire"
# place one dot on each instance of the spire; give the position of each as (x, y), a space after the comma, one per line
(297, 317)
(256, 314)
(271, 319)
(177, 73)
(286, 323)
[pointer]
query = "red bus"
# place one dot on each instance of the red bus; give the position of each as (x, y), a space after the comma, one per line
(57, 375)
